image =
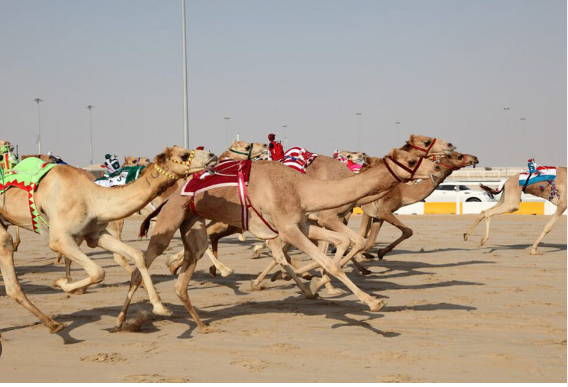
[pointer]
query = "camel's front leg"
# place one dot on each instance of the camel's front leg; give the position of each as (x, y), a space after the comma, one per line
(406, 232)
(13, 288)
(557, 215)
(479, 219)
(110, 243)
(115, 229)
(17, 240)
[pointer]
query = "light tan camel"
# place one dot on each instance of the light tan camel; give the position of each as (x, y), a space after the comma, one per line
(239, 150)
(281, 199)
(403, 195)
(328, 168)
(131, 161)
(74, 208)
(511, 199)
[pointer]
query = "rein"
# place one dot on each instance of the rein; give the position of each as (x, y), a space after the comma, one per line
(411, 171)
(451, 167)
(425, 150)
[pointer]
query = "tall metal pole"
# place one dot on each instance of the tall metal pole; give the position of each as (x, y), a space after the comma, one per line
(506, 109)
(285, 136)
(397, 123)
(38, 140)
(90, 107)
(185, 103)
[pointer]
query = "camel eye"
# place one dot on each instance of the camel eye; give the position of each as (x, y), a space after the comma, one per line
(247, 147)
(184, 157)
(412, 163)
(427, 143)
(461, 157)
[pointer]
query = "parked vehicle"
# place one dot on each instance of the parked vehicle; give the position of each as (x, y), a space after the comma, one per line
(446, 192)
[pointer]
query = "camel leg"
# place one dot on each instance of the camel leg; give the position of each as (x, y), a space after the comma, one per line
(225, 270)
(194, 239)
(298, 239)
(115, 229)
(175, 261)
(164, 230)
(506, 207)
(557, 215)
(257, 250)
(110, 243)
(406, 232)
(17, 240)
(12, 285)
(214, 238)
(276, 245)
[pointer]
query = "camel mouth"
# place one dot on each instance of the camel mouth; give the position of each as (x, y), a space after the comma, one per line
(433, 178)
(211, 163)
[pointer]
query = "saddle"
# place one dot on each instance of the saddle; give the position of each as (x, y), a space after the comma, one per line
(298, 159)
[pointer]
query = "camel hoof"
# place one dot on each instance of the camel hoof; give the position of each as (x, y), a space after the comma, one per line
(59, 283)
(256, 288)
(465, 236)
(161, 311)
(212, 271)
(314, 286)
(226, 273)
(368, 256)
(482, 242)
(366, 272)
(207, 329)
(242, 238)
(277, 276)
(377, 305)
(381, 253)
(79, 291)
(57, 327)
(334, 292)
(307, 276)
(534, 252)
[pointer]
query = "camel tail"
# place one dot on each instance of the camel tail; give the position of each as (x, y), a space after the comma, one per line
(145, 226)
(491, 190)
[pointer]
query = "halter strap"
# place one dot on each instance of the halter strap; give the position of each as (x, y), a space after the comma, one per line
(186, 163)
(425, 150)
(411, 171)
(451, 167)
(243, 153)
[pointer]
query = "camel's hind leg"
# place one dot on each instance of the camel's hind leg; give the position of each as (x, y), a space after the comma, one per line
(557, 215)
(115, 229)
(17, 240)
(13, 288)
(406, 232)
(195, 243)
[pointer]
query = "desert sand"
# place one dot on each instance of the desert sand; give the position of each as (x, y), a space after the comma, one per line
(456, 312)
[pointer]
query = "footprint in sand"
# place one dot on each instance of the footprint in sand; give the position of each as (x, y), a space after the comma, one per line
(104, 358)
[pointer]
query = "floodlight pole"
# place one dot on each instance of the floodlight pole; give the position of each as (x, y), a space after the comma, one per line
(185, 102)
(38, 140)
(90, 107)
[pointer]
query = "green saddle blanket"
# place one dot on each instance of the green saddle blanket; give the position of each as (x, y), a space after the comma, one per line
(26, 175)
(123, 176)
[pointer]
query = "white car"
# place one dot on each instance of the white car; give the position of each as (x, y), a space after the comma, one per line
(446, 192)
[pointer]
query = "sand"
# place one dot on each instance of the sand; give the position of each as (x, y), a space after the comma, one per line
(456, 313)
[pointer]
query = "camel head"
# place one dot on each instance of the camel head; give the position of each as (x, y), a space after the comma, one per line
(458, 160)
(424, 146)
(407, 166)
(240, 150)
(7, 144)
(355, 157)
(130, 161)
(181, 162)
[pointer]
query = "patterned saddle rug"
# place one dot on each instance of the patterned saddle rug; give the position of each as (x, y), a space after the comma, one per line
(123, 176)
(26, 175)
(298, 159)
(543, 173)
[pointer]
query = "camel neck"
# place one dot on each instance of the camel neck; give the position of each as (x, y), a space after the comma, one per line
(320, 195)
(123, 201)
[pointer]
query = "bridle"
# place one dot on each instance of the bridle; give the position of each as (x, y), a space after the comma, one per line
(411, 171)
(425, 150)
(451, 167)
(187, 163)
(243, 153)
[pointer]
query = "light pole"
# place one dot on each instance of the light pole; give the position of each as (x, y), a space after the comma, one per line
(90, 107)
(506, 110)
(358, 131)
(185, 103)
(38, 140)
(227, 127)
(285, 136)
(397, 123)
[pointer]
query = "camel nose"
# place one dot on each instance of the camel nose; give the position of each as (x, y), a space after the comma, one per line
(211, 154)
(451, 145)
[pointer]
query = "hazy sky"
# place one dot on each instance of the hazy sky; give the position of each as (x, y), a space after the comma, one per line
(444, 68)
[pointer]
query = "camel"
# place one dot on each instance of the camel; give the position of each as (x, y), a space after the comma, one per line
(131, 161)
(281, 200)
(377, 212)
(73, 208)
(511, 199)
(328, 168)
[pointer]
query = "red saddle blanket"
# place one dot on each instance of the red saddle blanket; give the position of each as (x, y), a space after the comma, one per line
(226, 175)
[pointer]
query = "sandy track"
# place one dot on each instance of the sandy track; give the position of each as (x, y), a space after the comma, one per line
(455, 313)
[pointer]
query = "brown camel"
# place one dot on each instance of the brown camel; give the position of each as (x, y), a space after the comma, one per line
(403, 195)
(131, 161)
(281, 199)
(328, 168)
(73, 208)
(510, 201)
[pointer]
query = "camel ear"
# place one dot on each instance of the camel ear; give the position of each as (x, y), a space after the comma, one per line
(168, 152)
(411, 138)
(393, 153)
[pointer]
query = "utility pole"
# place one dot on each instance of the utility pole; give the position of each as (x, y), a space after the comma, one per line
(227, 134)
(358, 131)
(38, 140)
(90, 107)
(185, 99)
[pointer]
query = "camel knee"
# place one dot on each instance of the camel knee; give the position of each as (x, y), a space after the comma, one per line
(334, 270)
(407, 232)
(181, 291)
(7, 243)
(96, 274)
(359, 243)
